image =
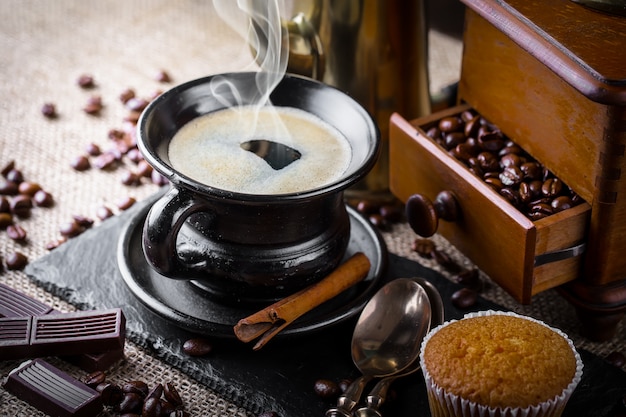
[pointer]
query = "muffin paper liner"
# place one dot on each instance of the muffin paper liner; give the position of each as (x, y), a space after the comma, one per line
(445, 404)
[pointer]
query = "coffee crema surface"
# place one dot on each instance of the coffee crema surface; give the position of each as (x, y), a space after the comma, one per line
(209, 150)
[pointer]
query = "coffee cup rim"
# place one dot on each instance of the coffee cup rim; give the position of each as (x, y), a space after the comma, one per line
(350, 177)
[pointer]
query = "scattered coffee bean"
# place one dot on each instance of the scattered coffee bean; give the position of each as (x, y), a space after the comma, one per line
(392, 213)
(378, 221)
(53, 244)
(423, 247)
(16, 261)
(6, 219)
(71, 229)
(151, 407)
(16, 232)
(171, 394)
(138, 387)
(469, 278)
(126, 95)
(616, 359)
(445, 261)
(130, 403)
(43, 199)
(464, 298)
(94, 379)
(126, 202)
(8, 187)
(326, 389)
(94, 105)
(104, 212)
(84, 222)
(134, 155)
(136, 104)
(85, 81)
(21, 205)
(93, 150)
(162, 77)
(144, 169)
(80, 163)
(130, 178)
(15, 175)
(366, 207)
(8, 167)
(5, 206)
(158, 179)
(197, 346)
(110, 394)
(49, 110)
(106, 160)
(28, 188)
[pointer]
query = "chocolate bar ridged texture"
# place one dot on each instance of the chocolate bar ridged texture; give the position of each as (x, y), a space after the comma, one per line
(15, 304)
(53, 391)
(80, 332)
(14, 337)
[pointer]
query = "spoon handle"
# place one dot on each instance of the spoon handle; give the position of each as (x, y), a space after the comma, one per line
(376, 398)
(350, 398)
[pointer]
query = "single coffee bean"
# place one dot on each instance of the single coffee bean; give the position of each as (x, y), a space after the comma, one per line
(392, 213)
(532, 170)
(197, 346)
(49, 110)
(21, 206)
(71, 229)
(28, 188)
(104, 212)
(552, 187)
(144, 169)
(378, 221)
(136, 104)
(8, 187)
(5, 206)
(130, 178)
(167, 408)
(464, 298)
(130, 403)
(126, 202)
(434, 133)
(510, 160)
(80, 163)
(155, 392)
(491, 141)
(445, 260)
(94, 105)
(134, 155)
(151, 407)
(469, 278)
(162, 76)
(15, 175)
(423, 247)
(126, 95)
(106, 160)
(6, 219)
(43, 199)
(344, 384)
(83, 221)
(450, 124)
(326, 389)
(110, 394)
(94, 379)
(85, 81)
(171, 394)
(367, 207)
(471, 126)
(511, 176)
(16, 232)
(158, 179)
(561, 203)
(138, 387)
(93, 150)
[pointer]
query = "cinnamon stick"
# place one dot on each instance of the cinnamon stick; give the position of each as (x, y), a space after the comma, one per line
(274, 318)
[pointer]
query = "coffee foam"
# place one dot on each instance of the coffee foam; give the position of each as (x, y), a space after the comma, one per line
(208, 150)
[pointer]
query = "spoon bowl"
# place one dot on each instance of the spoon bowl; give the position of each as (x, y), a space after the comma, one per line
(378, 394)
(387, 337)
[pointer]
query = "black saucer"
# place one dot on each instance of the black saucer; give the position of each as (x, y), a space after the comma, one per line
(193, 309)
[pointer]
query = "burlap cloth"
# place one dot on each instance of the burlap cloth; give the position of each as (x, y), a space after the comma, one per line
(46, 45)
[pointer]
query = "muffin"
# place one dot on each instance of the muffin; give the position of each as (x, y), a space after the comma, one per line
(498, 364)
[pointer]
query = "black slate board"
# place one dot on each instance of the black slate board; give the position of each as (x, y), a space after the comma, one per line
(279, 377)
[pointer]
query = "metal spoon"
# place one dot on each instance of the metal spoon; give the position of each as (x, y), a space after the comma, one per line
(386, 337)
(378, 394)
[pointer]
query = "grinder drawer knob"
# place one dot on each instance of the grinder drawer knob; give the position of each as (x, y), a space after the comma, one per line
(423, 215)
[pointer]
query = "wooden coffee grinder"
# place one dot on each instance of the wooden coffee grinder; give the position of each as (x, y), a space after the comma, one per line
(552, 75)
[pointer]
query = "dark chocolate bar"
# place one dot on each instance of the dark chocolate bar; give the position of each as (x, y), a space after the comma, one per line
(53, 391)
(16, 304)
(62, 334)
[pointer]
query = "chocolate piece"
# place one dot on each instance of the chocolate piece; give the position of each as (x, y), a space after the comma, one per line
(52, 391)
(16, 304)
(62, 334)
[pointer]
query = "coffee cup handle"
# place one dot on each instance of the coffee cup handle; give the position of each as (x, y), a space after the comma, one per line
(163, 222)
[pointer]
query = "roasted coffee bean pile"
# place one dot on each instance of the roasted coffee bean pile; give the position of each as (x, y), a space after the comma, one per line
(466, 297)
(136, 398)
(18, 197)
(505, 166)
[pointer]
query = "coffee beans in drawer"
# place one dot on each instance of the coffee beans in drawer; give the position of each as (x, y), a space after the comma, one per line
(504, 165)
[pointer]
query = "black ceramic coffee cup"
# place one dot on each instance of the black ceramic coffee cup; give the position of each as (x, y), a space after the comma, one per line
(250, 247)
